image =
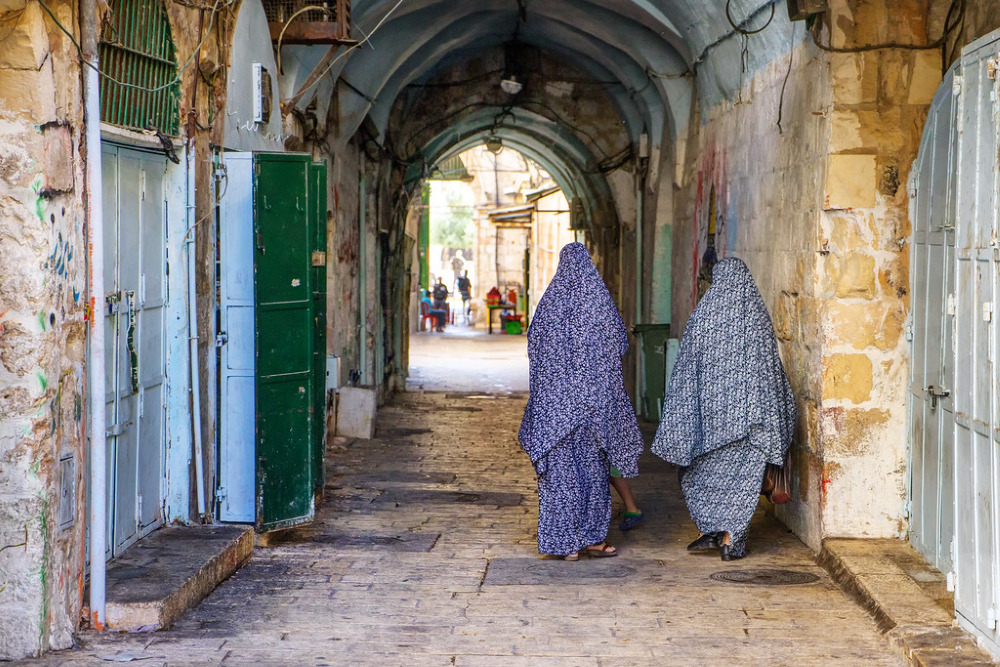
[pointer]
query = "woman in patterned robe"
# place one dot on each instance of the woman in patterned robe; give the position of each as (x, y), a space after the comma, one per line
(579, 418)
(729, 410)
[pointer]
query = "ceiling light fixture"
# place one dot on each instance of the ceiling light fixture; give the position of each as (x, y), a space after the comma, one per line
(494, 145)
(511, 85)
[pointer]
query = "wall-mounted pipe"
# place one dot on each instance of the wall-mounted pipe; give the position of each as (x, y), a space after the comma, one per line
(192, 285)
(95, 364)
(638, 285)
(363, 282)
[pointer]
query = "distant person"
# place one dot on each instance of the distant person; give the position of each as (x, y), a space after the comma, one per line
(579, 420)
(457, 265)
(440, 294)
(729, 410)
(465, 289)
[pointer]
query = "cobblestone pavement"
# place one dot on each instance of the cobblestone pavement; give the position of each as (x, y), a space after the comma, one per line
(424, 554)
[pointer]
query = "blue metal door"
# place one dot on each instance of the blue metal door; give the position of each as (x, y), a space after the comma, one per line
(977, 395)
(932, 456)
(134, 304)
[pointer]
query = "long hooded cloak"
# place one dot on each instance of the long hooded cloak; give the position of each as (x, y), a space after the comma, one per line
(728, 383)
(575, 344)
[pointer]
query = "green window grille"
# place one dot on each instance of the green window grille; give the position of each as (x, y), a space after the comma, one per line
(137, 50)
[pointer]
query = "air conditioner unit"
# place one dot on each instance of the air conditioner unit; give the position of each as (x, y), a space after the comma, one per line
(261, 94)
(799, 10)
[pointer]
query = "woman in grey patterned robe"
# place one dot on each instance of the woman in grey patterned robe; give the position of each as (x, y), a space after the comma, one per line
(729, 410)
(578, 419)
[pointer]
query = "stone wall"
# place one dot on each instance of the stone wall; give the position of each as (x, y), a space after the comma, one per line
(818, 209)
(43, 330)
(761, 186)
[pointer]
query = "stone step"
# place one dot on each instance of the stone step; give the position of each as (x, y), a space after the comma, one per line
(170, 571)
(907, 599)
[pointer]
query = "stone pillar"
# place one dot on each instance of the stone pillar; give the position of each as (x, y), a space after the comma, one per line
(43, 258)
(880, 101)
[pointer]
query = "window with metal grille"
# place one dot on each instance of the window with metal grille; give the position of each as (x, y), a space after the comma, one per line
(139, 89)
(329, 25)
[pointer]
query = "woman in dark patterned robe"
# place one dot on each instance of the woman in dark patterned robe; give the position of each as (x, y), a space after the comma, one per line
(579, 418)
(729, 410)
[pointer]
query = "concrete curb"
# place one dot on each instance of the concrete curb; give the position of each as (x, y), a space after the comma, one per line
(907, 599)
(171, 571)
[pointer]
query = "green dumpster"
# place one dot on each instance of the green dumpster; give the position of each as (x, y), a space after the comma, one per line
(653, 341)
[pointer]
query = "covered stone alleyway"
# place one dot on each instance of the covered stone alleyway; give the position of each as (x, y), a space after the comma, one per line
(424, 554)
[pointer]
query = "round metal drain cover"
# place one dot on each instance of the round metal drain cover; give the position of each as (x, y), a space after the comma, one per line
(762, 577)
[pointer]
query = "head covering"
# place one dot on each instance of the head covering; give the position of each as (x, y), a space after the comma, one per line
(728, 383)
(575, 343)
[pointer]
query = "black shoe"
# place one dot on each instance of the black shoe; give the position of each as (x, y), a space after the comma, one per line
(727, 555)
(706, 541)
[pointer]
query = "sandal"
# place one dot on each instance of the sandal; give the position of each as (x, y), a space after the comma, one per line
(605, 550)
(571, 557)
(632, 520)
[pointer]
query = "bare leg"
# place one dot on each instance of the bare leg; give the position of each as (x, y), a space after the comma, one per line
(624, 490)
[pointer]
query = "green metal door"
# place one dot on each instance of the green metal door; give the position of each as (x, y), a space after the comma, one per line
(317, 232)
(285, 382)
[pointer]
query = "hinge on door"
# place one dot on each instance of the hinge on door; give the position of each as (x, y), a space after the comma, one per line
(908, 330)
(142, 185)
(991, 617)
(220, 494)
(912, 185)
(221, 339)
(956, 85)
(138, 509)
(142, 394)
(987, 311)
(950, 581)
(907, 507)
(992, 65)
(950, 304)
(142, 290)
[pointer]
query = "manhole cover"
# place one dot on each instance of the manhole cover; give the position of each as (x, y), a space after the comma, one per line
(764, 577)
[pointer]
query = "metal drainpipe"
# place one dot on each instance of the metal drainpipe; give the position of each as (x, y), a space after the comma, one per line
(363, 280)
(95, 365)
(192, 290)
(638, 287)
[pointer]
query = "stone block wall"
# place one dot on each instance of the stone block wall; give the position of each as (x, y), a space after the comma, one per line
(819, 212)
(766, 183)
(43, 329)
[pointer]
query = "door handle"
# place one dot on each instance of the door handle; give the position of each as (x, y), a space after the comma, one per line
(133, 354)
(936, 393)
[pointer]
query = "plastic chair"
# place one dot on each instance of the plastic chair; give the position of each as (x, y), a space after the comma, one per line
(425, 314)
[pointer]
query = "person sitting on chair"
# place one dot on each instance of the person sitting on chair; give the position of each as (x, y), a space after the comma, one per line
(439, 314)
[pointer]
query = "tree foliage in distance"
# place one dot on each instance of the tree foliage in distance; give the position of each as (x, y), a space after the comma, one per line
(451, 220)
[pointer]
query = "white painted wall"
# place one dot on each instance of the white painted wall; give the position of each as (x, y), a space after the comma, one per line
(251, 44)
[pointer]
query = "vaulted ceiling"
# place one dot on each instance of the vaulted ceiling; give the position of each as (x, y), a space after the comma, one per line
(662, 53)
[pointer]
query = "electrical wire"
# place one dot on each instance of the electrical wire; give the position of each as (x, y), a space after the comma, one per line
(358, 45)
(781, 98)
(940, 41)
(180, 70)
(287, 23)
(744, 31)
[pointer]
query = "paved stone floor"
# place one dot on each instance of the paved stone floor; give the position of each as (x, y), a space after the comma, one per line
(424, 554)
(465, 359)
